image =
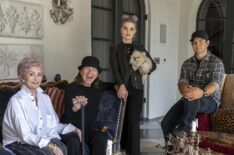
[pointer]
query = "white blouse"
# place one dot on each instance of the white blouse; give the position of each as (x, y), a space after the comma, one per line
(27, 123)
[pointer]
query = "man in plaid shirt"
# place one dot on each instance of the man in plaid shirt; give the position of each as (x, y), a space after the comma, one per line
(199, 84)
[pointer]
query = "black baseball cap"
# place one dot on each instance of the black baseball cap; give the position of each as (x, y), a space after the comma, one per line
(199, 34)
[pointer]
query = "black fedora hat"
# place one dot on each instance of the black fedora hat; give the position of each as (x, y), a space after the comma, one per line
(90, 61)
(199, 34)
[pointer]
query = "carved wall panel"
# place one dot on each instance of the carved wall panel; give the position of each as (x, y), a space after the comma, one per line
(11, 54)
(21, 19)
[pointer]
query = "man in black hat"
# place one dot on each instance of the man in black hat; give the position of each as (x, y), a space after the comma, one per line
(199, 84)
(86, 91)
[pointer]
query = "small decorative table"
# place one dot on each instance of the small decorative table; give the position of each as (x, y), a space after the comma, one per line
(201, 143)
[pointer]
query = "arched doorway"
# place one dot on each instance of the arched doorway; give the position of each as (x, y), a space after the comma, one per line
(216, 17)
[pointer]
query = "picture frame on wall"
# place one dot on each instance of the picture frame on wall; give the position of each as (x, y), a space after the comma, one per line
(21, 19)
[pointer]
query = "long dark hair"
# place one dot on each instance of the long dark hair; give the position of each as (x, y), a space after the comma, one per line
(78, 81)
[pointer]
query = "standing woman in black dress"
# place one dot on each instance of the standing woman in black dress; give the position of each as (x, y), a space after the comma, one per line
(130, 83)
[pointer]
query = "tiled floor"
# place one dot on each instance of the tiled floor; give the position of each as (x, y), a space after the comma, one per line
(151, 134)
(151, 129)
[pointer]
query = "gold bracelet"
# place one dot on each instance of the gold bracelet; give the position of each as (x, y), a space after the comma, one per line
(51, 146)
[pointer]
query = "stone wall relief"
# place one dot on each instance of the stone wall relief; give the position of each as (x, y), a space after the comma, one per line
(11, 54)
(21, 19)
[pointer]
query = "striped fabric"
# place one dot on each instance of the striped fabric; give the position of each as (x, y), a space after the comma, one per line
(57, 98)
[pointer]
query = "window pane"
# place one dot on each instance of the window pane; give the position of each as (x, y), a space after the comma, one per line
(102, 3)
(130, 6)
(101, 50)
(106, 76)
(215, 29)
(101, 24)
(214, 9)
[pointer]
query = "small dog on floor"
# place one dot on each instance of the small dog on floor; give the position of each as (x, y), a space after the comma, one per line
(141, 62)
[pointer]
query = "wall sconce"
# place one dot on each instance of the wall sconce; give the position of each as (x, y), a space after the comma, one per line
(61, 11)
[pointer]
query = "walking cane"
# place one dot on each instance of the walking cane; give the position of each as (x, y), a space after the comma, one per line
(119, 127)
(83, 128)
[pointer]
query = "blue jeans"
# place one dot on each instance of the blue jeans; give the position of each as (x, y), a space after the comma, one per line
(184, 112)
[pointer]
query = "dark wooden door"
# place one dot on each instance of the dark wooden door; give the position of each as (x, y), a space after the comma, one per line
(106, 18)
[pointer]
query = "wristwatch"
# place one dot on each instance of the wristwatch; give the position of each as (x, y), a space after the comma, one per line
(205, 93)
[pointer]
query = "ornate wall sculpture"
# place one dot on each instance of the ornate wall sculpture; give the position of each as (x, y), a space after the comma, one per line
(11, 54)
(21, 19)
(61, 11)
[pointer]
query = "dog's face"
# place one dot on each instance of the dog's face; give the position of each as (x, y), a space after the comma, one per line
(137, 57)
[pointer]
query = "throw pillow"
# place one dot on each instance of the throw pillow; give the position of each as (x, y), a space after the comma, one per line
(57, 98)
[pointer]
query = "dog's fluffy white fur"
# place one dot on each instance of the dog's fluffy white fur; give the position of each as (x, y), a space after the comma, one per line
(141, 62)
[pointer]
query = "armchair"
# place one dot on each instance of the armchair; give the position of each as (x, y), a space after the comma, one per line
(222, 119)
(110, 116)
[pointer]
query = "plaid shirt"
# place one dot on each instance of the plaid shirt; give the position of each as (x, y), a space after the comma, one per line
(211, 70)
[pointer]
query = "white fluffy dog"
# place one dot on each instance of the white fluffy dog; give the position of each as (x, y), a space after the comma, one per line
(141, 62)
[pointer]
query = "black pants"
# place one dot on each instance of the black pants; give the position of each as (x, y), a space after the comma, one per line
(184, 112)
(130, 140)
(96, 141)
(72, 141)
